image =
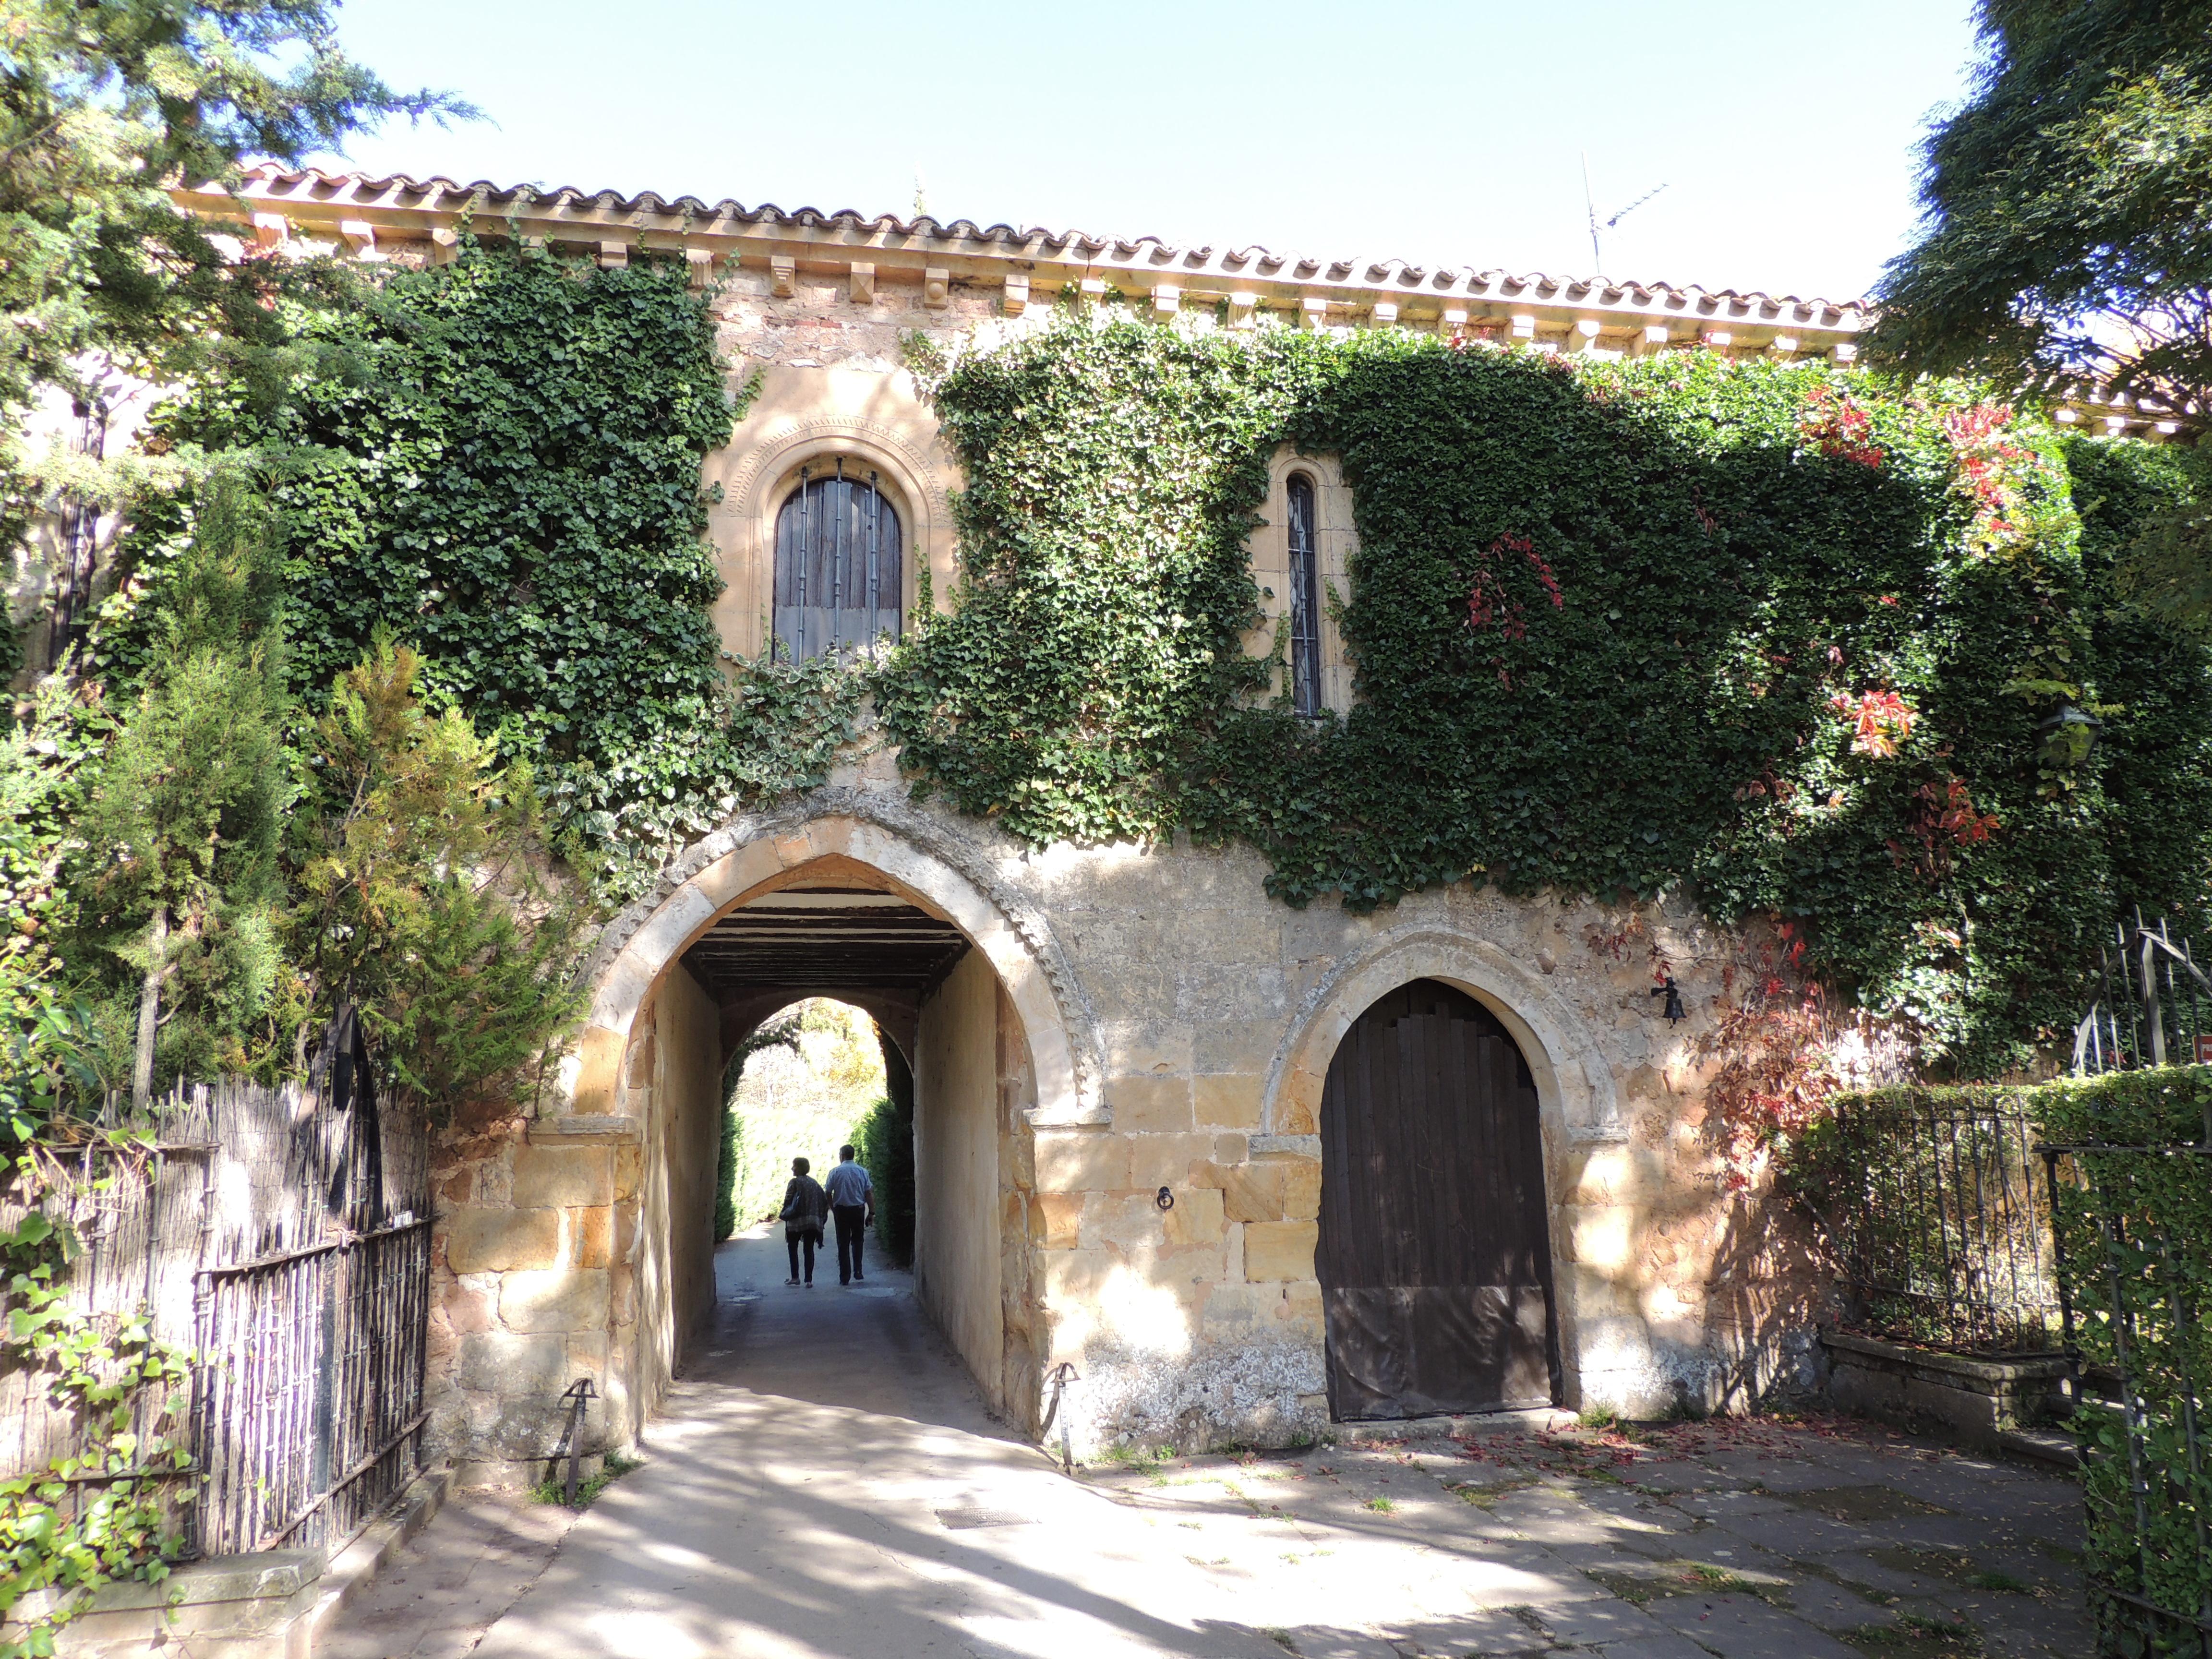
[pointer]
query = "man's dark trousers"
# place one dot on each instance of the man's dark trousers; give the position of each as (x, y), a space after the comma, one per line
(852, 1228)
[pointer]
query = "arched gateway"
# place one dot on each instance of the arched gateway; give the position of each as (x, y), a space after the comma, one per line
(1125, 1130)
(585, 1243)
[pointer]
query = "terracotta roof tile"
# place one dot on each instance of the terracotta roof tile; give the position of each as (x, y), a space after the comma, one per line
(313, 184)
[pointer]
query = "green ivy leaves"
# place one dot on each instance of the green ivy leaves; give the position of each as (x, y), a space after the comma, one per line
(509, 482)
(1726, 568)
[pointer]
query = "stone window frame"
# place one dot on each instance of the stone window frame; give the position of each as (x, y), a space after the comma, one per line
(865, 469)
(1335, 542)
(813, 417)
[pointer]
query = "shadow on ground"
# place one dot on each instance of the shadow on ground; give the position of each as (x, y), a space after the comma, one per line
(825, 1482)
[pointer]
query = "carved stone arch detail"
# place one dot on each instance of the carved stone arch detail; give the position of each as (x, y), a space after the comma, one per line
(1575, 1087)
(889, 834)
(759, 480)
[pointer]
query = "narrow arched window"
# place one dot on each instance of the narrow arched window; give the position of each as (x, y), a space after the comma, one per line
(838, 572)
(1305, 599)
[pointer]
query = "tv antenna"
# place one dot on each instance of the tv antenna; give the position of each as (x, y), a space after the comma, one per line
(1589, 201)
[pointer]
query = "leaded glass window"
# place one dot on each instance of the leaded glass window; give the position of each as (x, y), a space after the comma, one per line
(1305, 600)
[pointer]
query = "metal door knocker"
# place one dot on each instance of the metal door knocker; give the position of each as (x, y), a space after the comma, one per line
(1166, 1200)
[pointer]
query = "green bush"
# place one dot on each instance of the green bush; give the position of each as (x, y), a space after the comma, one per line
(2135, 1228)
(884, 1141)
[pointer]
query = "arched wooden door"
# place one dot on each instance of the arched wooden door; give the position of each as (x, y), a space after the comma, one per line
(1435, 1256)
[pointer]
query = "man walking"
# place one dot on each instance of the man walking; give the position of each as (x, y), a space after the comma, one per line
(852, 1201)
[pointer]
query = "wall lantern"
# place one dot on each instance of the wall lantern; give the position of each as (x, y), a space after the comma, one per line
(2068, 736)
(1674, 1011)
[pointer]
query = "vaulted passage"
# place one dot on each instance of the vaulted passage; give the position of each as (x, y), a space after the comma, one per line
(1435, 1257)
(874, 949)
(957, 1052)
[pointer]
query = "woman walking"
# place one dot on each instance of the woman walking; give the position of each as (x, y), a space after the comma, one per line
(806, 1206)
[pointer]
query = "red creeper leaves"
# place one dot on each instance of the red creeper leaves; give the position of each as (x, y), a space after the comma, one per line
(1489, 605)
(1881, 721)
(1836, 426)
(1992, 469)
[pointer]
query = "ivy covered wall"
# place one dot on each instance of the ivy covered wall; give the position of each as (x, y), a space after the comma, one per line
(498, 460)
(1781, 637)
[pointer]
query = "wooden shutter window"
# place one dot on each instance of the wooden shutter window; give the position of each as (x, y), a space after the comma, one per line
(839, 570)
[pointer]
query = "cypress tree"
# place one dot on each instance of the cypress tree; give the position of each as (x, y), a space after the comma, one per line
(179, 886)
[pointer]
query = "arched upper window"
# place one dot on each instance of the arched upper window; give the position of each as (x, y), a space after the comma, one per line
(838, 573)
(1306, 599)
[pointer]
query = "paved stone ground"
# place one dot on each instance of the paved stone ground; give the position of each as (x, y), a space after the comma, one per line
(826, 1484)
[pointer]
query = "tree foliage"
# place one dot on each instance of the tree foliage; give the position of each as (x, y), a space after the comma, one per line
(730, 1159)
(2068, 208)
(221, 876)
(45, 757)
(416, 898)
(176, 878)
(103, 103)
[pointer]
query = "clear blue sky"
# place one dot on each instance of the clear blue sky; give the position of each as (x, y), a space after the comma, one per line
(1443, 134)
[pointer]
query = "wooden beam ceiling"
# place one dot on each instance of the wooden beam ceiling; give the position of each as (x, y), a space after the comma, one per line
(826, 942)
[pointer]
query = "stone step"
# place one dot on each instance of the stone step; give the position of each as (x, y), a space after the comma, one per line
(2044, 1445)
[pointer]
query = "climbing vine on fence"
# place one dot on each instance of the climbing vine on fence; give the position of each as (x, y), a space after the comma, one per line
(106, 1509)
(507, 477)
(1787, 637)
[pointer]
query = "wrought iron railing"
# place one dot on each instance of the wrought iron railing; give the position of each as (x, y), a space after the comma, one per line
(1939, 1220)
(2154, 1005)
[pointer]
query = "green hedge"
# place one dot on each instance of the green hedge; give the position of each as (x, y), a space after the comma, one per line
(2133, 1219)
(2135, 1223)
(883, 1142)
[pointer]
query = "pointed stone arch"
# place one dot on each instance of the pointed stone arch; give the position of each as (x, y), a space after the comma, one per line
(917, 854)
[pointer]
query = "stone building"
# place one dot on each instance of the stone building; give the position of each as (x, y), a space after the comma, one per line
(1140, 1081)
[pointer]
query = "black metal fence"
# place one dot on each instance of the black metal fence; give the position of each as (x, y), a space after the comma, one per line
(283, 1235)
(1941, 1223)
(2154, 1005)
(2136, 1256)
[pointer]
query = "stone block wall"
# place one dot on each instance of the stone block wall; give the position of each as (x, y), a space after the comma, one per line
(576, 1247)
(1131, 1020)
(529, 1287)
(1159, 1022)
(958, 1207)
(1220, 1011)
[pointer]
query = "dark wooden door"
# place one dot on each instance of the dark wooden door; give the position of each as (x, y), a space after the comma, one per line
(1435, 1256)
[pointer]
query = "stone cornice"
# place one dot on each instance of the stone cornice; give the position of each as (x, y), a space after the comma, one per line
(847, 252)
(422, 216)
